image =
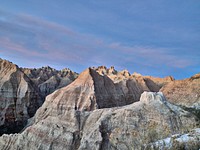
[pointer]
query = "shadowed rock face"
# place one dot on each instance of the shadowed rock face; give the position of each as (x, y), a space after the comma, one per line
(48, 79)
(21, 94)
(92, 91)
(60, 126)
(19, 99)
(133, 85)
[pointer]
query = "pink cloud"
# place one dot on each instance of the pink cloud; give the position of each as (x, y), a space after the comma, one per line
(52, 54)
(58, 42)
(41, 23)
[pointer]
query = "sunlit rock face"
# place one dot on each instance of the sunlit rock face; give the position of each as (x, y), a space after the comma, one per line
(70, 123)
(184, 92)
(19, 99)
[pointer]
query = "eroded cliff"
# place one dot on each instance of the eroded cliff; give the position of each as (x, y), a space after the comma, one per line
(128, 127)
(19, 99)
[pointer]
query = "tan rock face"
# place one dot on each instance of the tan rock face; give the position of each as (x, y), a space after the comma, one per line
(19, 99)
(184, 92)
(128, 127)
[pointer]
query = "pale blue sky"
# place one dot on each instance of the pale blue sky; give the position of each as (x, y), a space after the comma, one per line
(152, 37)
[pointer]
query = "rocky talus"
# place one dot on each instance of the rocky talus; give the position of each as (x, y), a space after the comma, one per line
(19, 99)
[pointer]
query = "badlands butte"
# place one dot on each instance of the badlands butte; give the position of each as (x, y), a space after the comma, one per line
(100, 108)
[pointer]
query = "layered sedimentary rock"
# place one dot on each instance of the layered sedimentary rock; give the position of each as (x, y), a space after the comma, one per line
(134, 84)
(155, 83)
(92, 91)
(101, 109)
(48, 79)
(58, 125)
(22, 92)
(19, 99)
(184, 92)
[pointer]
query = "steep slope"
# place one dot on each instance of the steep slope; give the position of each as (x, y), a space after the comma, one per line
(135, 84)
(90, 91)
(56, 126)
(155, 83)
(21, 93)
(48, 79)
(19, 99)
(184, 92)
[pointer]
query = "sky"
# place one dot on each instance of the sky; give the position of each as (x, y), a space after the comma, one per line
(151, 37)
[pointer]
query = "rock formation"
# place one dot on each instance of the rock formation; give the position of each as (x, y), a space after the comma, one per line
(101, 109)
(58, 125)
(184, 92)
(19, 99)
(134, 84)
(48, 79)
(23, 90)
(178, 141)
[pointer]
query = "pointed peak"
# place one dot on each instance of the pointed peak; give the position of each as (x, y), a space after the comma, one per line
(66, 69)
(112, 67)
(112, 70)
(86, 78)
(135, 74)
(48, 68)
(170, 78)
(102, 67)
(196, 76)
(85, 73)
(125, 73)
(4, 63)
(103, 70)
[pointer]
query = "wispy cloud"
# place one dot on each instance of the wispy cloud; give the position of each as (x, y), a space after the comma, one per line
(153, 55)
(36, 38)
(34, 22)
